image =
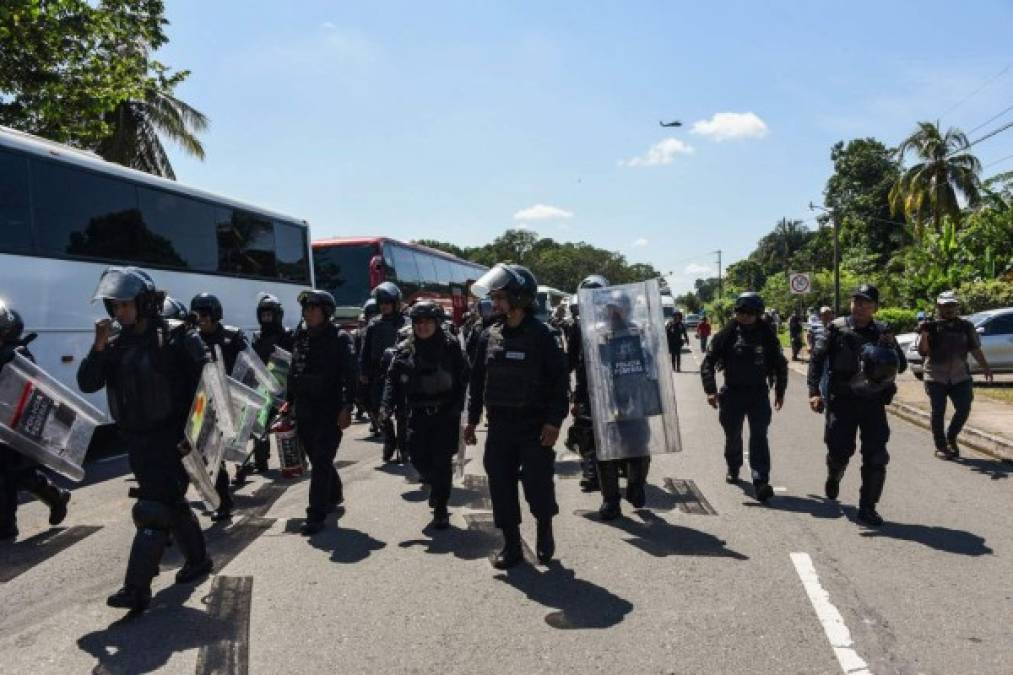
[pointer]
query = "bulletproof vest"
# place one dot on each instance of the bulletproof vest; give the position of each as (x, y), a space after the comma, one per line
(144, 379)
(513, 365)
(949, 340)
(431, 381)
(745, 358)
(384, 335)
(846, 360)
(231, 341)
(265, 341)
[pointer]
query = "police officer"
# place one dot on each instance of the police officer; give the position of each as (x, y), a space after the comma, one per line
(863, 358)
(369, 310)
(206, 310)
(677, 336)
(321, 390)
(272, 333)
(381, 334)
(483, 318)
(18, 472)
(580, 402)
(174, 309)
(520, 377)
(430, 374)
(749, 352)
(397, 413)
(150, 370)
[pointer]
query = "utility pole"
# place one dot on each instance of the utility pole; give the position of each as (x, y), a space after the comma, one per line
(720, 285)
(837, 254)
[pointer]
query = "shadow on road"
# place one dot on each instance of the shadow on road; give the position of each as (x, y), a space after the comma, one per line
(467, 544)
(579, 603)
(934, 536)
(814, 505)
(346, 545)
(145, 643)
(995, 469)
(660, 538)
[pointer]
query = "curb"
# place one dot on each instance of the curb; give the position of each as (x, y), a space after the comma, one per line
(976, 439)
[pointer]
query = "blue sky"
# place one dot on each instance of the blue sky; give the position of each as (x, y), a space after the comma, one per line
(454, 120)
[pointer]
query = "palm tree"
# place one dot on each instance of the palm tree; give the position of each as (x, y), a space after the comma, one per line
(139, 125)
(929, 190)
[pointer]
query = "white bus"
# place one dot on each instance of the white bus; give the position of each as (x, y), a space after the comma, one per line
(65, 215)
(548, 297)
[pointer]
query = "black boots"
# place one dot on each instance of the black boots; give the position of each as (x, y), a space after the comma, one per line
(545, 546)
(609, 510)
(311, 527)
(134, 598)
(52, 496)
(763, 491)
(512, 552)
(192, 571)
(832, 487)
(732, 476)
(441, 518)
(873, 479)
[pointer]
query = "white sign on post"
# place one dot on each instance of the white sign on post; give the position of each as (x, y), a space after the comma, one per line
(799, 283)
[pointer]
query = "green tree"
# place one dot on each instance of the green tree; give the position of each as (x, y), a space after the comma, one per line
(776, 250)
(928, 191)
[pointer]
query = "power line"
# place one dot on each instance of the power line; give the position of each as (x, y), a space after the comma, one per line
(998, 161)
(994, 132)
(975, 92)
(991, 119)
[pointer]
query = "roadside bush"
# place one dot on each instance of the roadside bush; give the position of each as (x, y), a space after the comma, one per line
(976, 296)
(899, 320)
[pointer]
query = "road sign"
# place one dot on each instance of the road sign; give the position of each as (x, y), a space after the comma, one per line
(799, 283)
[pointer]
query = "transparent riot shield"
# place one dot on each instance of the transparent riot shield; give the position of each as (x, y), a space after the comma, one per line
(278, 365)
(205, 434)
(248, 405)
(629, 373)
(43, 419)
(252, 372)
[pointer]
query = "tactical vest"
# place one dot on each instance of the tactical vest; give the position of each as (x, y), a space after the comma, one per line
(513, 368)
(846, 361)
(264, 342)
(431, 381)
(745, 360)
(145, 384)
(384, 335)
(231, 341)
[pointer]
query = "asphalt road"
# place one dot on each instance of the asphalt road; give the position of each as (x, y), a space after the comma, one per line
(703, 580)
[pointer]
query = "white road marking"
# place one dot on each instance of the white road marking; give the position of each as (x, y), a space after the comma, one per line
(778, 488)
(833, 623)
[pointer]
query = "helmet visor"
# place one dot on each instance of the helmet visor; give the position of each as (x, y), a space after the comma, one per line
(496, 279)
(117, 283)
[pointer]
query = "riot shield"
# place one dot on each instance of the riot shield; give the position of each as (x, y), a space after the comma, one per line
(278, 365)
(252, 372)
(629, 373)
(43, 419)
(248, 405)
(205, 433)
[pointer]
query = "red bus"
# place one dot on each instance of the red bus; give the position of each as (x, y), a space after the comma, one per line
(350, 267)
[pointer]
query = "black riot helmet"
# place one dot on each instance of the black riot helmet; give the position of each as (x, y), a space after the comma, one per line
(11, 325)
(751, 302)
(174, 309)
(426, 309)
(387, 292)
(122, 284)
(321, 299)
(207, 303)
(516, 281)
(593, 281)
(370, 309)
(270, 303)
(879, 363)
(620, 302)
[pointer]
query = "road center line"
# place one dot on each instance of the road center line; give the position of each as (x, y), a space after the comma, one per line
(833, 623)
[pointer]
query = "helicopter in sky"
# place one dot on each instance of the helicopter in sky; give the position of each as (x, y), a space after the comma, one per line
(675, 123)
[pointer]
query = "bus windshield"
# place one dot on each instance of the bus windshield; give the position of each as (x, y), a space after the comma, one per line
(343, 271)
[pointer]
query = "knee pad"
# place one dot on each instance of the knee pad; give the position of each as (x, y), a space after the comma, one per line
(152, 515)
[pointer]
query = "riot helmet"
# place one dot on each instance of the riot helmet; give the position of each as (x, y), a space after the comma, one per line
(122, 284)
(269, 303)
(593, 281)
(206, 303)
(321, 299)
(516, 281)
(620, 303)
(174, 309)
(370, 309)
(387, 292)
(11, 325)
(879, 363)
(485, 308)
(574, 306)
(751, 302)
(426, 309)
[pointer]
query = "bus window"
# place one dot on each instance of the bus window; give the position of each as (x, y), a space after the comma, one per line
(405, 269)
(343, 271)
(245, 244)
(444, 275)
(84, 214)
(15, 220)
(427, 271)
(189, 226)
(290, 252)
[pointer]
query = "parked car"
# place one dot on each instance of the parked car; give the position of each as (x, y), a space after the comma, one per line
(995, 328)
(692, 321)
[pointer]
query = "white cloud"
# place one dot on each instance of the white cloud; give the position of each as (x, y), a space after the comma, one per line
(542, 212)
(695, 268)
(641, 242)
(660, 153)
(728, 126)
(329, 25)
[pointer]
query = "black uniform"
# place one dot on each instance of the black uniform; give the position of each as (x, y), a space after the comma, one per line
(150, 380)
(321, 385)
(675, 332)
(18, 472)
(430, 377)
(232, 341)
(852, 409)
(582, 430)
(381, 334)
(520, 377)
(269, 336)
(750, 355)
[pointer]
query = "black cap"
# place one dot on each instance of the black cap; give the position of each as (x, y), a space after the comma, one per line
(867, 291)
